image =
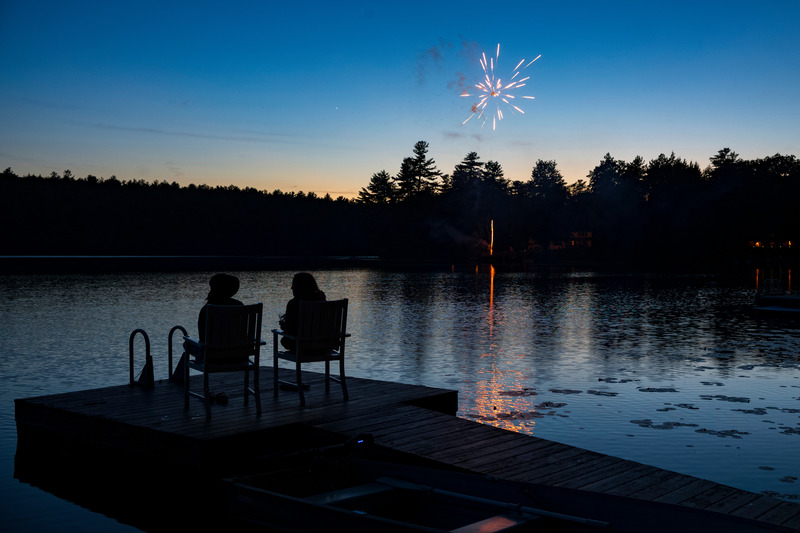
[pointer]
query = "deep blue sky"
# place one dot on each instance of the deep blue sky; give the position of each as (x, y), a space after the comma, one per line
(318, 96)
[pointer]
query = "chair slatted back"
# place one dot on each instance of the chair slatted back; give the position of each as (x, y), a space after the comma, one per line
(233, 332)
(322, 325)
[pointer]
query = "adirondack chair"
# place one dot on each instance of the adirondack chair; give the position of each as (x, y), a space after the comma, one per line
(232, 343)
(321, 334)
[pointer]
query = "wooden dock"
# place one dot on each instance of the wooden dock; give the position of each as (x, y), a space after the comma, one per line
(151, 430)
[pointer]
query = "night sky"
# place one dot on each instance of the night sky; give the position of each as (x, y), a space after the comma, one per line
(318, 96)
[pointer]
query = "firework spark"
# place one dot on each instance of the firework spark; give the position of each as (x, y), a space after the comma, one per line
(492, 90)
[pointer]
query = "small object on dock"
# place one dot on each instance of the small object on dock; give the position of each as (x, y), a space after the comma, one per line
(221, 398)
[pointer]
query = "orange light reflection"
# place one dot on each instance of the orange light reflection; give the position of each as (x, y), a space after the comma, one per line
(500, 402)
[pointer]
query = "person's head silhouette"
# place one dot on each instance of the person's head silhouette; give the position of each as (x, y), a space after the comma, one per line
(304, 286)
(223, 286)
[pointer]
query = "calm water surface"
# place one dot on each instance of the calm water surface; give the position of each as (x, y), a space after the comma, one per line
(673, 372)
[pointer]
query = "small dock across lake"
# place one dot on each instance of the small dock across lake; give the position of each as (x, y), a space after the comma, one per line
(150, 429)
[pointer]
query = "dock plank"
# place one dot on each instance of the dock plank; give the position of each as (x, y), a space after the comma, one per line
(662, 487)
(784, 513)
(538, 471)
(654, 478)
(757, 507)
(578, 476)
(707, 498)
(793, 523)
(537, 456)
(686, 492)
(733, 502)
(622, 477)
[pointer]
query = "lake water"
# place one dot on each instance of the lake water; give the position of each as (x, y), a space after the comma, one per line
(674, 371)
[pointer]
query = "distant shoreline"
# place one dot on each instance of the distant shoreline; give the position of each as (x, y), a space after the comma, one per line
(123, 263)
(96, 264)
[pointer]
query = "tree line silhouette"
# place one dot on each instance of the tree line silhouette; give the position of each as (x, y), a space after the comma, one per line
(666, 211)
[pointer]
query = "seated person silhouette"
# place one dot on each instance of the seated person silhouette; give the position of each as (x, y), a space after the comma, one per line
(304, 287)
(223, 288)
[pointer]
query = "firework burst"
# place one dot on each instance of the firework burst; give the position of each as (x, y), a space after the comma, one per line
(493, 94)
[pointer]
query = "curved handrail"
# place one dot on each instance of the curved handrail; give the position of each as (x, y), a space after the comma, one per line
(148, 357)
(171, 332)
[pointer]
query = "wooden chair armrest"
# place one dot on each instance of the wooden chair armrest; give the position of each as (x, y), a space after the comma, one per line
(280, 332)
(192, 346)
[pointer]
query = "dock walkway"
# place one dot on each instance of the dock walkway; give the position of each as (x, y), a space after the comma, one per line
(131, 421)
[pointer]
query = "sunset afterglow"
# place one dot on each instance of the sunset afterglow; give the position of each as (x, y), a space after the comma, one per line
(318, 96)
